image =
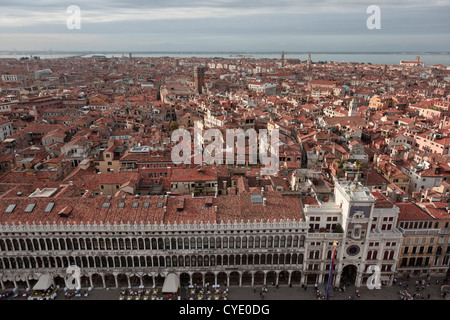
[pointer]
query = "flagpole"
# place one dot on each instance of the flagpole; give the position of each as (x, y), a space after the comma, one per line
(331, 270)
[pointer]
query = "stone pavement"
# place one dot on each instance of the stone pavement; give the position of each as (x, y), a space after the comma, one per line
(297, 293)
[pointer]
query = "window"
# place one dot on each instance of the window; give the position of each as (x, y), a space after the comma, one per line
(49, 207)
(30, 207)
(10, 208)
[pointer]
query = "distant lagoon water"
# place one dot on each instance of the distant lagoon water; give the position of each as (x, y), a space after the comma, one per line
(374, 58)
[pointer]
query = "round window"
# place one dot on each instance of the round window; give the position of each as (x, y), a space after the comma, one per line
(353, 250)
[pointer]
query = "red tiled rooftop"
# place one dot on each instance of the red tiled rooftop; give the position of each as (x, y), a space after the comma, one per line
(410, 211)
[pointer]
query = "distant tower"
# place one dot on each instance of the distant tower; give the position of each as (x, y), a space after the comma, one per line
(282, 59)
(199, 73)
(131, 55)
(353, 108)
(417, 59)
(308, 62)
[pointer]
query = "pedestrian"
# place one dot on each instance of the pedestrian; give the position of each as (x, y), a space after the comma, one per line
(254, 289)
(306, 287)
(428, 296)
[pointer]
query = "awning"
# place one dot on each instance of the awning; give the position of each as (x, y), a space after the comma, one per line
(44, 282)
(171, 283)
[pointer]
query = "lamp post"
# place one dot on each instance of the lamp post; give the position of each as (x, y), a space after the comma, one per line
(331, 269)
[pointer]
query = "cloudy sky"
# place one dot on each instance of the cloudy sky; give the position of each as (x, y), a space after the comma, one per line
(225, 25)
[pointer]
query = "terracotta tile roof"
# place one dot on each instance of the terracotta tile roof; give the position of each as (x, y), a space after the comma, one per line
(149, 209)
(411, 211)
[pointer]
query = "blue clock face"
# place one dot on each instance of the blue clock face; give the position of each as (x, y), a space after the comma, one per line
(353, 250)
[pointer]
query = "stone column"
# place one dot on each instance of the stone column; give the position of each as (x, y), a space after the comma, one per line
(240, 279)
(253, 278)
(358, 279)
(115, 280)
(320, 279)
(90, 281)
(103, 280)
(289, 277)
(277, 276)
(215, 278)
(265, 277)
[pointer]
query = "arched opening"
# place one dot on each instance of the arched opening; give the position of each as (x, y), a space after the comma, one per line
(349, 274)
(258, 278)
(84, 281)
(283, 277)
(97, 281)
(135, 281)
(59, 281)
(234, 278)
(122, 280)
(110, 281)
(209, 278)
(246, 279)
(271, 277)
(147, 281)
(197, 279)
(222, 278)
(185, 279)
(159, 280)
(296, 277)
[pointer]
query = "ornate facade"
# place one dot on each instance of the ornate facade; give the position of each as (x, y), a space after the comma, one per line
(126, 241)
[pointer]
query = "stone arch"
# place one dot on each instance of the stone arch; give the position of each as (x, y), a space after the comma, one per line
(349, 273)
(209, 278)
(271, 277)
(234, 278)
(283, 277)
(258, 278)
(122, 280)
(246, 278)
(197, 278)
(97, 280)
(296, 277)
(185, 279)
(110, 280)
(222, 278)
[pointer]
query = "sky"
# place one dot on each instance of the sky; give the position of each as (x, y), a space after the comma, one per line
(225, 25)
